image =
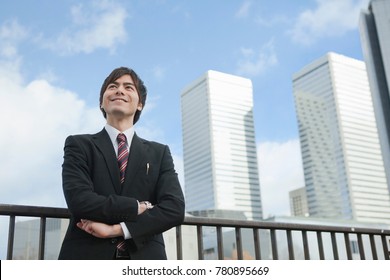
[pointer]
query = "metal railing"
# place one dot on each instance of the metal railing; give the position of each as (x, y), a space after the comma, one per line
(372, 242)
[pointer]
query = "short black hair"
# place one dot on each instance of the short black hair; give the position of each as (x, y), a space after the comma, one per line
(139, 85)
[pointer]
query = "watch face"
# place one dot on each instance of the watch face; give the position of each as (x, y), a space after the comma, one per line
(148, 205)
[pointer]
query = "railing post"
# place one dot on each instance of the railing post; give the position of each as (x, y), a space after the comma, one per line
(274, 245)
(42, 234)
(11, 236)
(179, 243)
(334, 246)
(239, 244)
(320, 245)
(373, 248)
(386, 251)
(305, 245)
(200, 242)
(348, 246)
(290, 245)
(361, 248)
(257, 243)
(220, 243)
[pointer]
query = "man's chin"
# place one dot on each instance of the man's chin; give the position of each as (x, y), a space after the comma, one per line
(120, 114)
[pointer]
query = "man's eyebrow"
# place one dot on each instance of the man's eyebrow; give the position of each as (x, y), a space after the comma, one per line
(125, 83)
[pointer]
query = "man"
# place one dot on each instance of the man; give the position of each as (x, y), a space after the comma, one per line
(122, 191)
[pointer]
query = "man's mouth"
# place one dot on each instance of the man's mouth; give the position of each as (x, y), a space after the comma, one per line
(120, 99)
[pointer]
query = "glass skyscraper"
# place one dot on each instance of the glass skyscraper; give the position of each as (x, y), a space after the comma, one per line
(375, 37)
(342, 159)
(220, 158)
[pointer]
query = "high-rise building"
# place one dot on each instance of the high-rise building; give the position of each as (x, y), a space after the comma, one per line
(219, 147)
(342, 159)
(298, 202)
(375, 38)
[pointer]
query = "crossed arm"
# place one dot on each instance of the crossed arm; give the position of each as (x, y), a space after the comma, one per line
(102, 230)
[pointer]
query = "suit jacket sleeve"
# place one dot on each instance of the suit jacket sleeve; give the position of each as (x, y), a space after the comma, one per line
(169, 203)
(85, 198)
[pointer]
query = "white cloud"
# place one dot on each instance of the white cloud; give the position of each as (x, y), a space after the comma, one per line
(11, 33)
(181, 10)
(95, 25)
(329, 18)
(280, 168)
(244, 10)
(159, 72)
(254, 63)
(36, 118)
(271, 21)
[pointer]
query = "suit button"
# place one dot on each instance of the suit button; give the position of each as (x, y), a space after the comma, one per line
(114, 240)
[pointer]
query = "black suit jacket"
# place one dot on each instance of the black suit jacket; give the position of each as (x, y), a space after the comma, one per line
(93, 191)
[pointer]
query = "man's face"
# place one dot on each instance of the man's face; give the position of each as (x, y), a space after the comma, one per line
(121, 99)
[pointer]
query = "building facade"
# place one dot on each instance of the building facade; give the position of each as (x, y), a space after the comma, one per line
(298, 202)
(219, 148)
(342, 158)
(375, 37)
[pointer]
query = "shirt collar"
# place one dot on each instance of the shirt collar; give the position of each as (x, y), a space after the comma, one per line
(113, 133)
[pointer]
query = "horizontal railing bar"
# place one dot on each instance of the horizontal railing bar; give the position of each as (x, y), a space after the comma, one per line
(53, 212)
(280, 226)
(34, 211)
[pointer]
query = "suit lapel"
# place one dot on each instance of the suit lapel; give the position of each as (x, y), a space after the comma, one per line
(135, 159)
(104, 144)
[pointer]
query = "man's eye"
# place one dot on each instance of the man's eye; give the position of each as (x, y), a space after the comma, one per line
(112, 86)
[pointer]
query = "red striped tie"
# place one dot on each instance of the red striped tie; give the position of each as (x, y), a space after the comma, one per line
(123, 155)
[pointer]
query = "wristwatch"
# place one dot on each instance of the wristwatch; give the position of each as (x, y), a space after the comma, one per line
(148, 204)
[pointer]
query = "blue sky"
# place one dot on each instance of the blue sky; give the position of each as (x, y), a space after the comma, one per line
(54, 56)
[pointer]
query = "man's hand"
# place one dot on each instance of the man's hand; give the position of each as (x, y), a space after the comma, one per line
(100, 230)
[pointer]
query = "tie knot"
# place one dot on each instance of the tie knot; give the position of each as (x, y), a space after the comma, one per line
(121, 138)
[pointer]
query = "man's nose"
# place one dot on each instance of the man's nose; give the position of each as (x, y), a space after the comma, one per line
(119, 90)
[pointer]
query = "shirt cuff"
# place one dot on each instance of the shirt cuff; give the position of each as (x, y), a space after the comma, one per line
(126, 232)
